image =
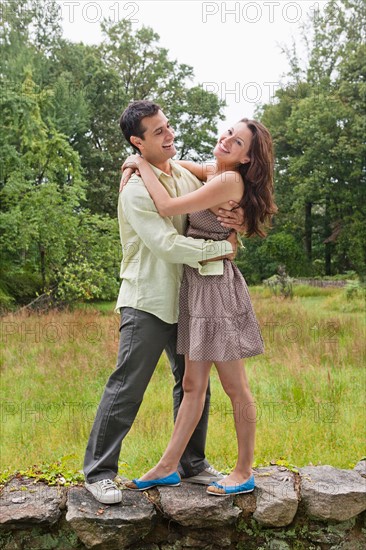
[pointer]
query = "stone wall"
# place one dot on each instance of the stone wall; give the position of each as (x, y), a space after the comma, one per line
(320, 282)
(320, 508)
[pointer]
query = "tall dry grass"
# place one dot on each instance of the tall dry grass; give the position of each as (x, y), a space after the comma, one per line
(308, 388)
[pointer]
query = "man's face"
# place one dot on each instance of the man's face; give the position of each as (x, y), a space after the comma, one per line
(157, 144)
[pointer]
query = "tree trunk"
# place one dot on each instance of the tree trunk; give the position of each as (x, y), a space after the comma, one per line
(328, 245)
(308, 230)
(328, 258)
(43, 266)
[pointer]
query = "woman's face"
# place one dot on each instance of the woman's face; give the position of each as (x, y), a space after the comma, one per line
(233, 145)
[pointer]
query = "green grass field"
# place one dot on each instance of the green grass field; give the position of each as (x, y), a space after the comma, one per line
(309, 386)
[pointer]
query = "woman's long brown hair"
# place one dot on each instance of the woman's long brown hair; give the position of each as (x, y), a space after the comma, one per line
(257, 201)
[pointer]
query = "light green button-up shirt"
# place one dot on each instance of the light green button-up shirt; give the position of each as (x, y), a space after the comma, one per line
(154, 248)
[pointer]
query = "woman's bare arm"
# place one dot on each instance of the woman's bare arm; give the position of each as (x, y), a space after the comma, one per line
(200, 170)
(218, 191)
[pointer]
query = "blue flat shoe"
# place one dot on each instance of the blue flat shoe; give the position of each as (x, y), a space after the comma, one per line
(173, 480)
(222, 490)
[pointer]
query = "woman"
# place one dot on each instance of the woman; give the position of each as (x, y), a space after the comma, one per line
(216, 319)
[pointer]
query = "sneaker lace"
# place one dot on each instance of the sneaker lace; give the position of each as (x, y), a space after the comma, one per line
(107, 484)
(213, 471)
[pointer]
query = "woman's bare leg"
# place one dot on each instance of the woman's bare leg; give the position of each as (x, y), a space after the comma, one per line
(194, 386)
(235, 383)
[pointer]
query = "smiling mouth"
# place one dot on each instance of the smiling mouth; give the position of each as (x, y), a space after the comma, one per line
(223, 148)
(168, 146)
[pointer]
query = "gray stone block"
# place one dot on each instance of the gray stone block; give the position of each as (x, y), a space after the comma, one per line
(332, 494)
(25, 503)
(277, 499)
(361, 467)
(190, 505)
(109, 527)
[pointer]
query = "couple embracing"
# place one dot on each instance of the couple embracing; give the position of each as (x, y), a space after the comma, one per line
(182, 293)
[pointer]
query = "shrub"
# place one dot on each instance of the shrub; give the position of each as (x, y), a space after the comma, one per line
(280, 284)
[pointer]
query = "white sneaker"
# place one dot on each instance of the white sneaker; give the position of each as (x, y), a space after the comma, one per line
(206, 477)
(105, 491)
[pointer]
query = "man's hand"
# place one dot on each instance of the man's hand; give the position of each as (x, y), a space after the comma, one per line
(234, 219)
(233, 240)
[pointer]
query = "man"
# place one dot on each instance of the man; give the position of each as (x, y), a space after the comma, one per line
(154, 251)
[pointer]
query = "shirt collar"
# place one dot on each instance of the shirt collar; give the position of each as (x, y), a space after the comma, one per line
(175, 168)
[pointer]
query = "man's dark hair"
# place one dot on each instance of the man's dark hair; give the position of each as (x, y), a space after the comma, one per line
(130, 121)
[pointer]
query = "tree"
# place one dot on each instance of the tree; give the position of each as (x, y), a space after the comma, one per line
(61, 146)
(317, 124)
(132, 65)
(43, 223)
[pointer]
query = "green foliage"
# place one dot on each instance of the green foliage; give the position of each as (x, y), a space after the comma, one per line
(59, 472)
(98, 82)
(317, 123)
(93, 268)
(62, 148)
(49, 238)
(6, 300)
(249, 261)
(283, 249)
(280, 284)
(354, 290)
(22, 284)
(54, 473)
(261, 258)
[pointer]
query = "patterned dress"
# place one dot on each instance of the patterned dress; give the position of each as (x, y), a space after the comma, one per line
(216, 318)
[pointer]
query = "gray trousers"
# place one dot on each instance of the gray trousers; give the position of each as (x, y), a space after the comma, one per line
(143, 337)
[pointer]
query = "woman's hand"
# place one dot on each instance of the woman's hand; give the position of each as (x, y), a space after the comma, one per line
(126, 174)
(133, 161)
(234, 219)
(129, 167)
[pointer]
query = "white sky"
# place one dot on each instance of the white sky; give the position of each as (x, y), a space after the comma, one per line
(234, 47)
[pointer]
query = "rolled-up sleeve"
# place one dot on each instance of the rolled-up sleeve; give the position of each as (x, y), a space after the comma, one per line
(160, 236)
